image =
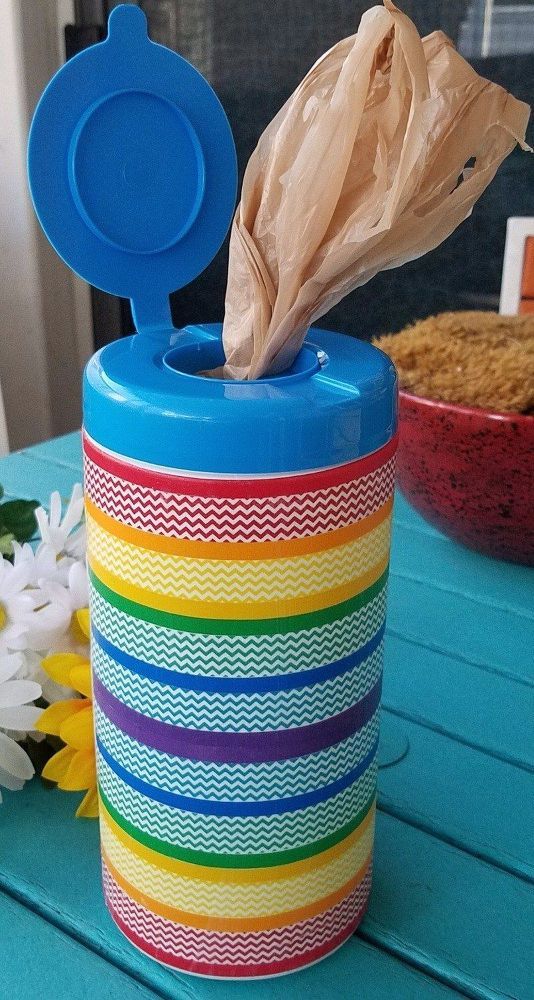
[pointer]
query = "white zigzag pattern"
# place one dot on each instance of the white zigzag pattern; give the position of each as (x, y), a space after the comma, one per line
(239, 520)
(231, 899)
(228, 580)
(264, 712)
(236, 834)
(236, 782)
(234, 949)
(238, 656)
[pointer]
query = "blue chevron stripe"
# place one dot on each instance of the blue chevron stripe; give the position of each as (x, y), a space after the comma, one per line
(235, 834)
(265, 808)
(274, 780)
(239, 685)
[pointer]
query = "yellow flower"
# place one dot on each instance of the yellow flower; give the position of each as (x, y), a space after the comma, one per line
(73, 767)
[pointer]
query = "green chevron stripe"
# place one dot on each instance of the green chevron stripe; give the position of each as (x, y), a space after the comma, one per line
(210, 859)
(212, 626)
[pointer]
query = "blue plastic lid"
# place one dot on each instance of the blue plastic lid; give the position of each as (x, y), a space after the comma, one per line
(132, 168)
(144, 399)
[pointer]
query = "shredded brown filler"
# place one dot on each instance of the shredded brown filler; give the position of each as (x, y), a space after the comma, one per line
(471, 358)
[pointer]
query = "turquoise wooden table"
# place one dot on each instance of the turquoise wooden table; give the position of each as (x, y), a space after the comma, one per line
(452, 908)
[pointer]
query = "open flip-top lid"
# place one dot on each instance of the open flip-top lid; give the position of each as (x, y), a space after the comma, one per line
(132, 168)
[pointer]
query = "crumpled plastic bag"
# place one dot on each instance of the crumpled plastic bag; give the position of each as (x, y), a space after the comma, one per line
(376, 158)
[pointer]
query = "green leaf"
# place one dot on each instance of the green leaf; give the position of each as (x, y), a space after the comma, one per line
(17, 517)
(6, 548)
(1, 491)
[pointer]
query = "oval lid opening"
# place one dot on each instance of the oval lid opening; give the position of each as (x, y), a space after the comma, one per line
(191, 359)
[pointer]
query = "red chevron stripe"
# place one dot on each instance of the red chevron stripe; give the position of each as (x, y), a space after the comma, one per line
(240, 488)
(235, 955)
(226, 519)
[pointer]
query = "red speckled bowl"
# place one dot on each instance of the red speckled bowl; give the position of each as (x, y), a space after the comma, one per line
(470, 472)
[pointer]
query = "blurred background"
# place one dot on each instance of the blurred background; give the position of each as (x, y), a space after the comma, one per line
(254, 53)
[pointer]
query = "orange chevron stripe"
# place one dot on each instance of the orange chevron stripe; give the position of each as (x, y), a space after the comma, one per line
(237, 924)
(238, 550)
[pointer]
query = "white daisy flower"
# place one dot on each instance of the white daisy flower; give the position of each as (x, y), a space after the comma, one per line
(16, 606)
(17, 717)
(51, 691)
(55, 625)
(74, 595)
(42, 563)
(67, 535)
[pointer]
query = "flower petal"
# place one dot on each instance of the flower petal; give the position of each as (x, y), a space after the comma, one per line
(74, 511)
(89, 805)
(55, 509)
(53, 717)
(10, 663)
(80, 679)
(20, 717)
(56, 768)
(18, 693)
(42, 522)
(9, 782)
(76, 543)
(76, 632)
(81, 773)
(47, 627)
(78, 730)
(82, 617)
(20, 608)
(15, 579)
(59, 665)
(14, 637)
(14, 760)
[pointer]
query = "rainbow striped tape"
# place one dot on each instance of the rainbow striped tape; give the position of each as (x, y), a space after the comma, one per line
(237, 657)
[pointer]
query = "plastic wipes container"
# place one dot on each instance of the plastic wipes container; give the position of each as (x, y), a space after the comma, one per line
(238, 548)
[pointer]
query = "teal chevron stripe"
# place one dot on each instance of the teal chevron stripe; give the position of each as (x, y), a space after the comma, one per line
(236, 807)
(239, 656)
(251, 782)
(215, 860)
(231, 834)
(212, 711)
(266, 626)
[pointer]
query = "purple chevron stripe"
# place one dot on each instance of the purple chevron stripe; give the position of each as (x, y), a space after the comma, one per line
(237, 748)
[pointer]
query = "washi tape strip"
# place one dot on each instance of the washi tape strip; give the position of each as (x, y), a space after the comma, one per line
(310, 640)
(211, 656)
(230, 807)
(238, 747)
(242, 510)
(234, 835)
(240, 875)
(215, 859)
(217, 782)
(234, 580)
(236, 954)
(243, 616)
(285, 548)
(238, 712)
(213, 896)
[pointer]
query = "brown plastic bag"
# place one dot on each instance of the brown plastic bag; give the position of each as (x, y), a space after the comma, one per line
(363, 169)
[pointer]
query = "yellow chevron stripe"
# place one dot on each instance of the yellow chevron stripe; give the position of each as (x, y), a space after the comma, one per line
(224, 899)
(239, 925)
(286, 548)
(236, 876)
(238, 610)
(214, 580)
